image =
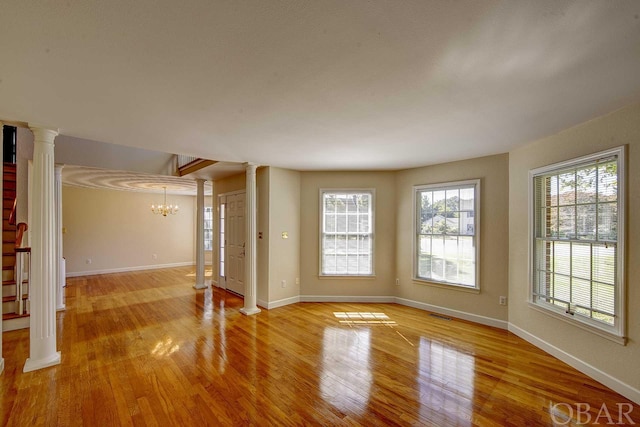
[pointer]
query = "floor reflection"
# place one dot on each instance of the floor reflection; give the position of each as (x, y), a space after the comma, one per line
(446, 382)
(346, 376)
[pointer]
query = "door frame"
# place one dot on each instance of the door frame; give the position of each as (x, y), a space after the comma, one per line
(222, 230)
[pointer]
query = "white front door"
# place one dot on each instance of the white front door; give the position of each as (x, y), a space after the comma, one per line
(235, 242)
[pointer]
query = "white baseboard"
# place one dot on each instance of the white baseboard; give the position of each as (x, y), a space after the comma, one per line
(15, 324)
(280, 302)
(483, 320)
(613, 383)
(338, 298)
(126, 269)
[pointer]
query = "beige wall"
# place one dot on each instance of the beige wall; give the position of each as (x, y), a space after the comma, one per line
(116, 230)
(493, 172)
(263, 176)
(385, 241)
(618, 128)
(284, 216)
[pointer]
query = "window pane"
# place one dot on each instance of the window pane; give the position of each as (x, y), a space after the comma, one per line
(604, 264)
(586, 222)
(567, 187)
(586, 185)
(581, 260)
(567, 222)
(562, 257)
(608, 221)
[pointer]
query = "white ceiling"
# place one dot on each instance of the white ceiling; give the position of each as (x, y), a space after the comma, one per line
(87, 177)
(317, 84)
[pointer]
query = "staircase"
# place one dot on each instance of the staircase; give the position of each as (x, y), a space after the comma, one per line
(14, 309)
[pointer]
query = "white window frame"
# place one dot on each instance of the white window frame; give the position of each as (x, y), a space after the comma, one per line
(372, 193)
(616, 332)
(475, 183)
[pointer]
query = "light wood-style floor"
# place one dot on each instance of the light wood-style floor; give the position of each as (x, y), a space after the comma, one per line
(145, 348)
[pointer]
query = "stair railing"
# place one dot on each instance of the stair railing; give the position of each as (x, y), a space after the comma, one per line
(22, 269)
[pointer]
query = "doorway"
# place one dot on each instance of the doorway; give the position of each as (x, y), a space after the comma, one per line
(232, 241)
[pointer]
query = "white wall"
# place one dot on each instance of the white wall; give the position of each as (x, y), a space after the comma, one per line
(118, 231)
(614, 364)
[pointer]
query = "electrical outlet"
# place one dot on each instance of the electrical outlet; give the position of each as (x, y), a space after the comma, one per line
(88, 261)
(154, 256)
(502, 300)
(397, 282)
(297, 281)
(284, 283)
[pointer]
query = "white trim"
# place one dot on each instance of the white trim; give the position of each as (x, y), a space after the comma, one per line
(126, 269)
(341, 298)
(1, 365)
(613, 383)
(15, 324)
(280, 303)
(476, 318)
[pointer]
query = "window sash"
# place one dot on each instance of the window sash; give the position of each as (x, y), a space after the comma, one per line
(446, 233)
(346, 232)
(577, 254)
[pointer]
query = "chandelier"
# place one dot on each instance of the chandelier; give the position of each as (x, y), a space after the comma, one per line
(164, 209)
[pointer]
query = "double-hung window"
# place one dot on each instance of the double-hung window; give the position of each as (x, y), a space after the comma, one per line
(346, 232)
(577, 241)
(446, 233)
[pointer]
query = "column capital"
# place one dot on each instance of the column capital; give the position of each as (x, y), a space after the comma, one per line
(43, 134)
(250, 167)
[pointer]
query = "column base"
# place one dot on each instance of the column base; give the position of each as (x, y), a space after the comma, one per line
(61, 308)
(201, 286)
(1, 365)
(34, 365)
(250, 311)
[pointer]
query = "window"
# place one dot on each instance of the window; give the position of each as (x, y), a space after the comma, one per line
(577, 245)
(208, 228)
(446, 237)
(346, 233)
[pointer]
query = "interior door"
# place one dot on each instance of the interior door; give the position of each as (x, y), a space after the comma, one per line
(234, 248)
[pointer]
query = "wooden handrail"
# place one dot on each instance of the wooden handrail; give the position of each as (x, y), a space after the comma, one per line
(12, 215)
(21, 228)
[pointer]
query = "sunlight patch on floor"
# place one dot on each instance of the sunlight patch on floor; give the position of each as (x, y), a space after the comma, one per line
(363, 318)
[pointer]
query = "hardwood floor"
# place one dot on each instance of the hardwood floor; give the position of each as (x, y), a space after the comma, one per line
(145, 348)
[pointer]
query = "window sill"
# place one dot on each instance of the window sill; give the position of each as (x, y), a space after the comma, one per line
(449, 286)
(567, 318)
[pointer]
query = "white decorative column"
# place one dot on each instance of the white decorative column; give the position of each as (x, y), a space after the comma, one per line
(200, 283)
(60, 281)
(1, 190)
(42, 336)
(250, 259)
